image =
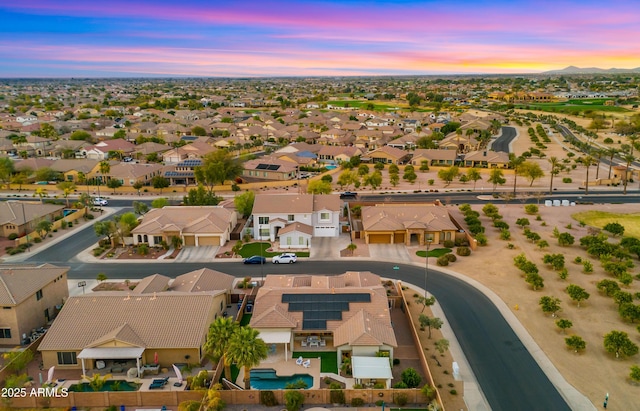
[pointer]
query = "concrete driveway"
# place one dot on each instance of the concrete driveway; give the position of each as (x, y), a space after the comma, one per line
(389, 252)
(192, 254)
(328, 248)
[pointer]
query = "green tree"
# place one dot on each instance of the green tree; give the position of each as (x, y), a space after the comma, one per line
(615, 228)
(244, 203)
(246, 349)
(293, 400)
(374, 180)
(635, 373)
(216, 168)
(496, 178)
(425, 321)
(137, 186)
(17, 360)
(160, 202)
(104, 168)
(114, 184)
(515, 163)
(80, 135)
(352, 247)
(198, 131)
(219, 339)
(448, 174)
(550, 305)
(565, 239)
(159, 182)
(628, 158)
(101, 277)
(319, 187)
(577, 293)
(347, 178)
(394, 179)
(523, 222)
(564, 324)
(411, 377)
(442, 345)
(43, 227)
(618, 343)
(140, 208)
(393, 169)
(67, 187)
(199, 196)
(363, 170)
(424, 165)
(473, 174)
(21, 178)
(6, 170)
(104, 229)
(576, 343)
(531, 171)
(555, 170)
(425, 301)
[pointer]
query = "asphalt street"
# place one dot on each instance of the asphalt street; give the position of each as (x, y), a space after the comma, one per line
(502, 143)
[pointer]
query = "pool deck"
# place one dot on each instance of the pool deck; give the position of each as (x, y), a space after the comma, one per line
(287, 368)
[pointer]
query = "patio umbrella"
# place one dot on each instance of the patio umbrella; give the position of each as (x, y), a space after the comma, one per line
(155, 357)
(50, 374)
(178, 373)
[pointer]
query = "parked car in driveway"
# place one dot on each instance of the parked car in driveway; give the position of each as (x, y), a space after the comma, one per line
(254, 259)
(286, 258)
(100, 201)
(348, 195)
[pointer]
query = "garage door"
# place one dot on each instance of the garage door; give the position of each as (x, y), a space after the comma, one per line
(209, 240)
(399, 238)
(189, 240)
(379, 238)
(321, 231)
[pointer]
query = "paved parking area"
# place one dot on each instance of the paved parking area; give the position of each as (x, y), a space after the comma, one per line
(389, 252)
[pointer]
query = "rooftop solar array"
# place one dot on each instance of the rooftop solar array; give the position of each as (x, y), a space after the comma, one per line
(317, 309)
(268, 167)
(178, 174)
(192, 162)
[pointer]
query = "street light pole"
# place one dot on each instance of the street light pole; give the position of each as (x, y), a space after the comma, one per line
(426, 268)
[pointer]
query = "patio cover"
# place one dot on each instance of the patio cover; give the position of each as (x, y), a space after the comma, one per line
(275, 337)
(371, 367)
(111, 353)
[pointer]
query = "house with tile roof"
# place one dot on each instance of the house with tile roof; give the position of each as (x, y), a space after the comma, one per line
(21, 217)
(118, 325)
(433, 157)
(486, 159)
(269, 168)
(31, 297)
(407, 224)
(386, 155)
(347, 313)
(194, 225)
(318, 214)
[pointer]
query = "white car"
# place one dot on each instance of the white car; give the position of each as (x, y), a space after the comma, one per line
(100, 201)
(287, 258)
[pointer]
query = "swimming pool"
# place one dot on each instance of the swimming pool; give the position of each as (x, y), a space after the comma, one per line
(267, 379)
(330, 167)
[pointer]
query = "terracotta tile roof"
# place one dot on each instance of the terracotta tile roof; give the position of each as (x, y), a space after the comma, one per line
(21, 282)
(374, 327)
(189, 219)
(204, 279)
(152, 284)
(14, 213)
(164, 320)
(399, 217)
(123, 333)
(300, 227)
(364, 328)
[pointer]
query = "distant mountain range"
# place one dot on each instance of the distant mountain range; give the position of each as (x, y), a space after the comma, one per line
(592, 70)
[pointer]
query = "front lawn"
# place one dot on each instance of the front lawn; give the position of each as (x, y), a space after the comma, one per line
(328, 359)
(434, 253)
(250, 249)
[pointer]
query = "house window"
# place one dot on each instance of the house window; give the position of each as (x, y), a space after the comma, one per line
(264, 232)
(325, 216)
(300, 240)
(67, 358)
(157, 239)
(5, 332)
(288, 240)
(46, 314)
(38, 295)
(139, 238)
(290, 217)
(146, 238)
(263, 220)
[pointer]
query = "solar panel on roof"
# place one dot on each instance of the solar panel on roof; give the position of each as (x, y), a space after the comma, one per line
(262, 166)
(317, 309)
(273, 167)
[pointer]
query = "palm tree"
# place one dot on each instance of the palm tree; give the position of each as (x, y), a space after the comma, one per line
(218, 339)
(514, 163)
(555, 169)
(246, 349)
(611, 152)
(588, 161)
(104, 168)
(629, 158)
(598, 153)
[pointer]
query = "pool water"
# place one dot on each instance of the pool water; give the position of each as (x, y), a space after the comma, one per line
(330, 167)
(267, 379)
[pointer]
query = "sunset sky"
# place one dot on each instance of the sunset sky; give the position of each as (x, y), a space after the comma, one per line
(115, 38)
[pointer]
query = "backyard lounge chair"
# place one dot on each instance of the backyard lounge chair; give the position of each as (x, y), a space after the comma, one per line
(299, 361)
(156, 385)
(160, 380)
(306, 364)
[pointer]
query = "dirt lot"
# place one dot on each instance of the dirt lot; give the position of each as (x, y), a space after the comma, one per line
(593, 372)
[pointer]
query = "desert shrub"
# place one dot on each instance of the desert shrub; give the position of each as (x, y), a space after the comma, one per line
(482, 239)
(442, 261)
(531, 209)
(461, 242)
(463, 251)
(501, 225)
(97, 251)
(12, 236)
(577, 260)
(336, 397)
(400, 385)
(268, 398)
(448, 244)
(143, 249)
(334, 385)
(293, 399)
(567, 180)
(401, 399)
(451, 257)
(37, 240)
(357, 402)
(411, 377)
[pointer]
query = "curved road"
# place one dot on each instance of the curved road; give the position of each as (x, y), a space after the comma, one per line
(502, 143)
(507, 373)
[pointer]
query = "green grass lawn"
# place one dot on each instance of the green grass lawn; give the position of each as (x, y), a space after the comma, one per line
(631, 222)
(573, 106)
(328, 360)
(434, 253)
(245, 320)
(255, 249)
